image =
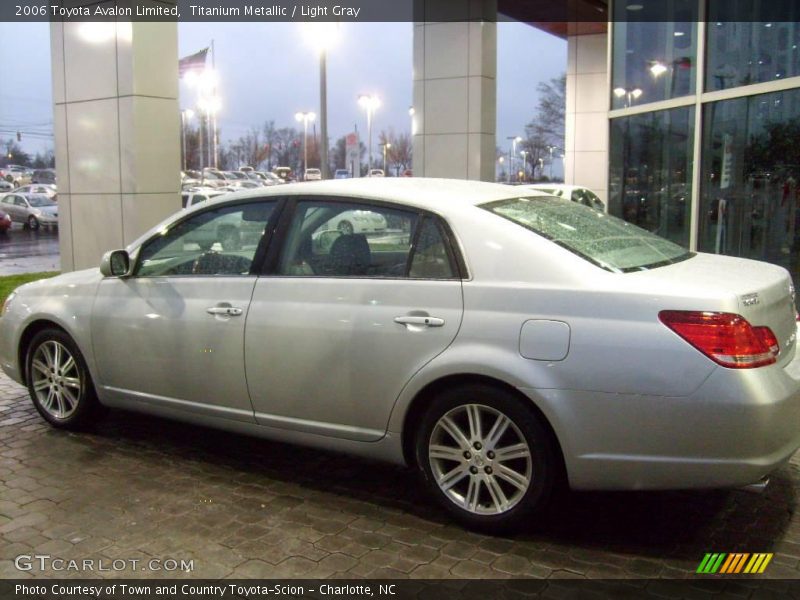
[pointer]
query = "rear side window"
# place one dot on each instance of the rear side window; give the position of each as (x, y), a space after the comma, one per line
(343, 239)
(604, 240)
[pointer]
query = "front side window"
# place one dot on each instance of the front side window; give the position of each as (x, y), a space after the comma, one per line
(603, 240)
(222, 241)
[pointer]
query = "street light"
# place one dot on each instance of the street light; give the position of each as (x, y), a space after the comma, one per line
(305, 117)
(512, 153)
(323, 35)
(411, 113)
(631, 94)
(386, 146)
(524, 154)
(186, 113)
(550, 150)
(369, 103)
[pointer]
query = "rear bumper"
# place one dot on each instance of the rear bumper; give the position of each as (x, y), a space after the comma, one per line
(738, 427)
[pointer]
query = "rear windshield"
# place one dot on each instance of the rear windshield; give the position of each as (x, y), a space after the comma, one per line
(603, 240)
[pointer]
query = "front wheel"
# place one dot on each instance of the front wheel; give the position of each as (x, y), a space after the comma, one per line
(486, 457)
(345, 228)
(33, 223)
(58, 380)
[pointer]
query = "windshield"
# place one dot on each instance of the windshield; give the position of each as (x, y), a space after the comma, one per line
(39, 201)
(603, 240)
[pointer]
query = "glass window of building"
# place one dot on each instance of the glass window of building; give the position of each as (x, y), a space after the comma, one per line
(654, 57)
(750, 199)
(752, 50)
(651, 171)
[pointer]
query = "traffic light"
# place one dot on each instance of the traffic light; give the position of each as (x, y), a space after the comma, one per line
(19, 136)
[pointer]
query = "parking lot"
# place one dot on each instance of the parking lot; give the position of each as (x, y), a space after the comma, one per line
(136, 488)
(26, 251)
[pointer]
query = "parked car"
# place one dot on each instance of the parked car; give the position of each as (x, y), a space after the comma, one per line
(16, 175)
(43, 189)
(194, 196)
(576, 193)
(46, 176)
(5, 186)
(376, 173)
(341, 174)
(5, 222)
(32, 210)
(513, 341)
(357, 221)
(313, 175)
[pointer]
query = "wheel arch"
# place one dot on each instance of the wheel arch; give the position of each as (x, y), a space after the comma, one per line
(420, 402)
(30, 331)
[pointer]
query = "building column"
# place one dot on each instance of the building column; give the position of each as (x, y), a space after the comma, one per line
(588, 99)
(117, 133)
(455, 94)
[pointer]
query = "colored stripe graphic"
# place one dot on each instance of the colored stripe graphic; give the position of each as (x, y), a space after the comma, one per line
(734, 563)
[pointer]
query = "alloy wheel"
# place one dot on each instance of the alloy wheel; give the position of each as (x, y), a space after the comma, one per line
(56, 379)
(480, 459)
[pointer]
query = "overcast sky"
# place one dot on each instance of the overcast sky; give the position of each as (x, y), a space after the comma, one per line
(268, 72)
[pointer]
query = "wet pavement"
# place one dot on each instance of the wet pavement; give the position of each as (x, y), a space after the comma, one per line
(26, 251)
(137, 487)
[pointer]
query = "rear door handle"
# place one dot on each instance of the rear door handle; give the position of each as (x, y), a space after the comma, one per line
(228, 311)
(427, 321)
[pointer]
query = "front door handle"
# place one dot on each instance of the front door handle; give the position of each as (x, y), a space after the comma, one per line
(426, 321)
(227, 311)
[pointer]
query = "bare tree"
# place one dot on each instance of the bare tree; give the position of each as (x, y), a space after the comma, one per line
(399, 152)
(544, 135)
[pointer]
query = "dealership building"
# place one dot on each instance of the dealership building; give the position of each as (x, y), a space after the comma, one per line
(681, 115)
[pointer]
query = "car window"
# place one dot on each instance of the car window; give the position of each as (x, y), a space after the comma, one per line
(430, 260)
(606, 241)
(19, 201)
(39, 201)
(338, 239)
(8, 200)
(185, 200)
(222, 241)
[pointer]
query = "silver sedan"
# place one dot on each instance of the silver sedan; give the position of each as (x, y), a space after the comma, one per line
(499, 340)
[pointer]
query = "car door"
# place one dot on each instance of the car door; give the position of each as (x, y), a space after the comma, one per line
(172, 333)
(343, 320)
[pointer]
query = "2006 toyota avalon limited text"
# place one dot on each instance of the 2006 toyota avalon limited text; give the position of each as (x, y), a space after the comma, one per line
(498, 342)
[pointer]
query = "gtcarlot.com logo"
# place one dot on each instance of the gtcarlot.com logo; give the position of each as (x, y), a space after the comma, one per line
(721, 563)
(46, 562)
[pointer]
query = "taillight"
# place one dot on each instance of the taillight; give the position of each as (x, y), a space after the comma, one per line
(725, 338)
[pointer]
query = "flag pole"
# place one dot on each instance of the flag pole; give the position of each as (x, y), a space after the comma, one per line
(214, 140)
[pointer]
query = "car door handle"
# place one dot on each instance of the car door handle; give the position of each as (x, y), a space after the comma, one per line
(427, 321)
(228, 311)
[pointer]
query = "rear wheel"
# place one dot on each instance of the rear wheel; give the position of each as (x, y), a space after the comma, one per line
(486, 457)
(58, 380)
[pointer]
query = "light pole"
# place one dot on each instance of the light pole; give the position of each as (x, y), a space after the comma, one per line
(210, 106)
(500, 161)
(369, 103)
(386, 146)
(186, 113)
(323, 36)
(550, 150)
(524, 154)
(512, 152)
(630, 94)
(411, 113)
(305, 117)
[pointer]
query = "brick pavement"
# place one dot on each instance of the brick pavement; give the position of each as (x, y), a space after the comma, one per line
(137, 487)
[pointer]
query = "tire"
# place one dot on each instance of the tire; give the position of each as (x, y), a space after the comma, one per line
(33, 223)
(481, 490)
(345, 227)
(65, 397)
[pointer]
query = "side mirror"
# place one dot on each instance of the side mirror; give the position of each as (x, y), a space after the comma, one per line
(115, 263)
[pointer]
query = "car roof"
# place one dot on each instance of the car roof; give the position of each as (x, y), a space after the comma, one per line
(421, 192)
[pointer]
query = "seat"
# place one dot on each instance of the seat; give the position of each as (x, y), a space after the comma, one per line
(349, 255)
